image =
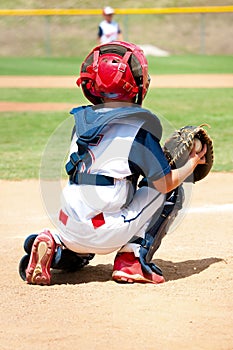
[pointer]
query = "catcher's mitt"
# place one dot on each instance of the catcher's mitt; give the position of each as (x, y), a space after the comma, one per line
(178, 147)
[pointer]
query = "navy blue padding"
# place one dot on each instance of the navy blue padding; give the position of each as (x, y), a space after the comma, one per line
(89, 123)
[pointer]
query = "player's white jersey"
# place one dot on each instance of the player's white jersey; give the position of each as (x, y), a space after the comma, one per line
(94, 219)
(110, 31)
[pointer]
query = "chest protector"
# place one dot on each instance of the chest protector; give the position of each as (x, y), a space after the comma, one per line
(108, 161)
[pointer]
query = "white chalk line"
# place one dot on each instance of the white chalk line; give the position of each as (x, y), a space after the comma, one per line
(211, 208)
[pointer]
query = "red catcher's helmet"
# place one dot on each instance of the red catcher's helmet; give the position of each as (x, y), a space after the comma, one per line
(117, 70)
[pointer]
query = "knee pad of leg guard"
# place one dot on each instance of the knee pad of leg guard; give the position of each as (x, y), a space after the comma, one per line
(29, 242)
(23, 266)
(68, 260)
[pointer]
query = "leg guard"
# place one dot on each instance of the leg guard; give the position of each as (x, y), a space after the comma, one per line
(70, 261)
(158, 229)
(172, 205)
(23, 264)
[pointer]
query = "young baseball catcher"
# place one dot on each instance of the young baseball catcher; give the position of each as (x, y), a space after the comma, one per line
(124, 189)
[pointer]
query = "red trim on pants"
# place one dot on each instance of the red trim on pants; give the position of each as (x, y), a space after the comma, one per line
(98, 220)
(63, 217)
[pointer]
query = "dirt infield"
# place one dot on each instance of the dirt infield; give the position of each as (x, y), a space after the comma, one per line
(161, 81)
(87, 310)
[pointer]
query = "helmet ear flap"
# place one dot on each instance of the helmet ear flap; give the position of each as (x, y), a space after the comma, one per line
(93, 99)
(140, 99)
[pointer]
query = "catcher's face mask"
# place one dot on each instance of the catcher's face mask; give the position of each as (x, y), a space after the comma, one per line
(118, 70)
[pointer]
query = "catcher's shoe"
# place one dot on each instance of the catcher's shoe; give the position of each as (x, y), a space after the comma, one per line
(42, 252)
(63, 259)
(127, 268)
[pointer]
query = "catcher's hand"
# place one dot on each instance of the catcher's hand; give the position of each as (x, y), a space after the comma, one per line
(178, 147)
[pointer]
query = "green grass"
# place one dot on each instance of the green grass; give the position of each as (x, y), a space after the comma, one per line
(158, 65)
(197, 106)
(190, 64)
(23, 139)
(42, 95)
(23, 136)
(39, 66)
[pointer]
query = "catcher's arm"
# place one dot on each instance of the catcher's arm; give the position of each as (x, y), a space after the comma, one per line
(176, 176)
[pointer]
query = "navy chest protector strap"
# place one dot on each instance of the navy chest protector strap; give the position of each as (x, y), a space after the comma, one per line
(88, 125)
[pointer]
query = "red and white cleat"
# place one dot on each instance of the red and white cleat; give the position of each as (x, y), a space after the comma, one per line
(42, 253)
(127, 268)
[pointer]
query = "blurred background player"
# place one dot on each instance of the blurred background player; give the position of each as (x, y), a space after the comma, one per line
(108, 30)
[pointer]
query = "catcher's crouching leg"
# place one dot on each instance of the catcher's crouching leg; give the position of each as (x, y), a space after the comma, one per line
(44, 253)
(158, 230)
